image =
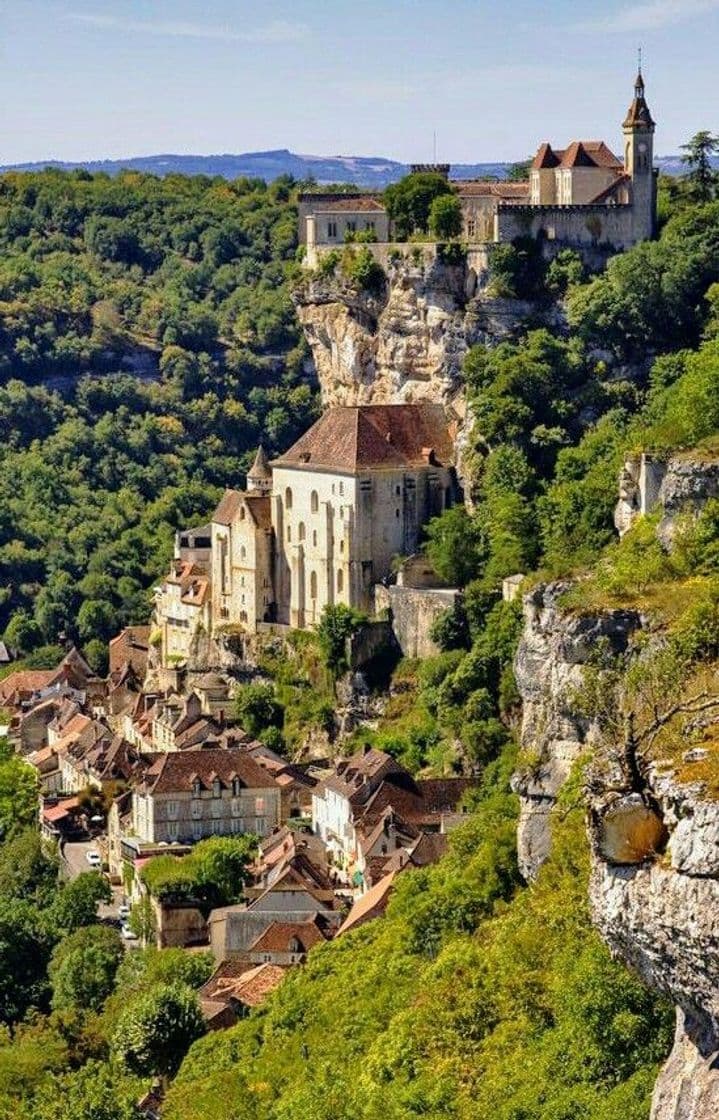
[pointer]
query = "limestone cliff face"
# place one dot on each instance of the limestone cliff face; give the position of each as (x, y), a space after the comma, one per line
(548, 667)
(408, 342)
(678, 487)
(661, 916)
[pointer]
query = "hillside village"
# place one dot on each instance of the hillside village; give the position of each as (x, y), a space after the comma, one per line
(152, 759)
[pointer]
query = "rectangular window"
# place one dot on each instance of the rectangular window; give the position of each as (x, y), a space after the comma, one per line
(197, 830)
(370, 225)
(471, 227)
(352, 227)
(172, 808)
(173, 830)
(332, 229)
(196, 810)
(259, 806)
(216, 808)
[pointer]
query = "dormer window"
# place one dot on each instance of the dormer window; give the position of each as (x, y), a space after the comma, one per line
(236, 787)
(216, 788)
(196, 787)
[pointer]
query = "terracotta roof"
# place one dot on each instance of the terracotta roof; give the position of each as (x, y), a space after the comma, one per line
(252, 987)
(353, 773)
(353, 438)
(260, 468)
(580, 153)
(62, 809)
(350, 205)
(545, 157)
(278, 936)
(473, 188)
(26, 681)
(228, 507)
(370, 905)
(136, 635)
(177, 770)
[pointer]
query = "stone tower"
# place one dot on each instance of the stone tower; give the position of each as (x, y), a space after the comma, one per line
(259, 477)
(638, 131)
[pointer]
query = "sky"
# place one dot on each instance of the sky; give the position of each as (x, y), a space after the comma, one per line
(91, 79)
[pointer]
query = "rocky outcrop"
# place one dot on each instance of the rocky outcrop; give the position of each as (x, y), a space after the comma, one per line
(408, 342)
(660, 914)
(678, 487)
(552, 653)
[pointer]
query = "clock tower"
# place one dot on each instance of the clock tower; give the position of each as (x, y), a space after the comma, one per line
(638, 131)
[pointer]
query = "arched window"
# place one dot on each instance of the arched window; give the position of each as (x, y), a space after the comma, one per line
(288, 498)
(313, 585)
(340, 579)
(314, 501)
(242, 513)
(236, 786)
(301, 530)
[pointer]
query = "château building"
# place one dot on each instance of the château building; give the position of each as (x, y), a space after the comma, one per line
(580, 195)
(320, 525)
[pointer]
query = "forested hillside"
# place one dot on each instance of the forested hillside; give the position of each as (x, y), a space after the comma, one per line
(183, 279)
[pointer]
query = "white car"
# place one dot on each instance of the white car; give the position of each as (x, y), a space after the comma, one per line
(94, 859)
(123, 912)
(127, 933)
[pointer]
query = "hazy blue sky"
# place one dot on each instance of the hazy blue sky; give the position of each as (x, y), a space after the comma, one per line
(113, 78)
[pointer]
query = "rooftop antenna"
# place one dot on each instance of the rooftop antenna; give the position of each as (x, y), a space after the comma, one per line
(639, 56)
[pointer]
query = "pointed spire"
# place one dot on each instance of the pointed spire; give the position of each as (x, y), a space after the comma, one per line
(259, 477)
(638, 115)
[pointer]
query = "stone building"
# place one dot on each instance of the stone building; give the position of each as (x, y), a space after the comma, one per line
(321, 525)
(190, 795)
(581, 195)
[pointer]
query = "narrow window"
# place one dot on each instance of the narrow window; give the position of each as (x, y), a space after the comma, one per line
(314, 538)
(301, 530)
(340, 580)
(313, 585)
(314, 501)
(288, 498)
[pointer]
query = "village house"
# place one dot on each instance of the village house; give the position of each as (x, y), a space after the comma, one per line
(234, 989)
(371, 807)
(182, 610)
(130, 648)
(189, 795)
(580, 195)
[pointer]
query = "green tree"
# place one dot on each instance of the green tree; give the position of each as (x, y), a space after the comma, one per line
(18, 793)
(155, 1031)
(409, 201)
(445, 217)
(83, 966)
(22, 632)
(337, 624)
(702, 176)
(96, 1091)
(257, 708)
(76, 902)
(454, 546)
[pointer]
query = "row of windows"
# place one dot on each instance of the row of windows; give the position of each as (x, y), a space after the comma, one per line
(200, 827)
(351, 226)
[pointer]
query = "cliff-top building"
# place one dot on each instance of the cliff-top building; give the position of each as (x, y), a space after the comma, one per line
(581, 195)
(320, 525)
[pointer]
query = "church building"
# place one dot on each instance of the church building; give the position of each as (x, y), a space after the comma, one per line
(325, 521)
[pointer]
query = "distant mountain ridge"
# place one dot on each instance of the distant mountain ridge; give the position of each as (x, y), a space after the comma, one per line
(365, 171)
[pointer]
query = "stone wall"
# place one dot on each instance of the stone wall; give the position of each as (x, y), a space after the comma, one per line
(412, 612)
(575, 226)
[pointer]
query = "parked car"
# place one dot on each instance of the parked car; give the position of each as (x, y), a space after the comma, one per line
(127, 933)
(123, 911)
(94, 859)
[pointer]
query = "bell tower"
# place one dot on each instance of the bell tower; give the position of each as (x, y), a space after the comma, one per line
(638, 131)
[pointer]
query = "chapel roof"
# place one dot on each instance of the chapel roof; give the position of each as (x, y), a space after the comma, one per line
(638, 112)
(580, 153)
(360, 437)
(260, 469)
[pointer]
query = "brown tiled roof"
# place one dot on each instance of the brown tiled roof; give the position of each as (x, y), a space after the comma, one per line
(443, 795)
(26, 681)
(370, 905)
(477, 188)
(638, 112)
(352, 774)
(260, 510)
(251, 987)
(277, 937)
(228, 507)
(350, 205)
(545, 157)
(177, 770)
(352, 438)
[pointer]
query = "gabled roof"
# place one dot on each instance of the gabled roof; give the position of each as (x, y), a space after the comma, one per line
(580, 153)
(228, 507)
(251, 986)
(545, 157)
(177, 771)
(370, 905)
(502, 189)
(613, 189)
(278, 936)
(359, 437)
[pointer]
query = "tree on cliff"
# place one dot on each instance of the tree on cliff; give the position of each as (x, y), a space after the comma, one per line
(410, 200)
(701, 176)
